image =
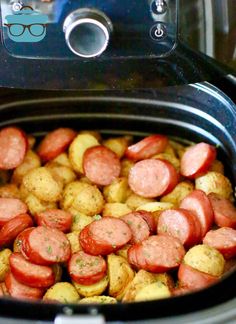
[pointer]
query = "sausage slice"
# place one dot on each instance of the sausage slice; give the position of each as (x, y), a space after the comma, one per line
(159, 253)
(21, 291)
(180, 223)
(31, 274)
(198, 203)
(45, 246)
(222, 239)
(147, 147)
(152, 178)
(55, 143)
(101, 165)
(10, 208)
(13, 147)
(55, 218)
(139, 227)
(197, 160)
(86, 269)
(224, 211)
(105, 236)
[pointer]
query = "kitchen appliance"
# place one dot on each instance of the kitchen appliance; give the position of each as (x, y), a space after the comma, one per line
(137, 67)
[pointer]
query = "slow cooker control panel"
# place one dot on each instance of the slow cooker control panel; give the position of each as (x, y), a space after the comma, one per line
(88, 29)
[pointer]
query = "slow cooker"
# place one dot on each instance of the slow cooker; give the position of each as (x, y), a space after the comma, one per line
(131, 67)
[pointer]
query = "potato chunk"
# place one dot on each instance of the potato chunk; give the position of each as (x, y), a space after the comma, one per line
(10, 191)
(37, 206)
(134, 201)
(4, 263)
(73, 238)
(115, 209)
(215, 182)
(60, 172)
(98, 300)
(156, 290)
(92, 290)
(206, 259)
(179, 193)
(118, 145)
(117, 191)
(63, 292)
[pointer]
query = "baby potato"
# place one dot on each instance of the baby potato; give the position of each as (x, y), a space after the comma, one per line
(63, 173)
(141, 280)
(217, 166)
(31, 161)
(63, 159)
(134, 201)
(166, 279)
(214, 182)
(98, 300)
(92, 290)
(77, 149)
(170, 158)
(80, 221)
(95, 134)
(156, 290)
(24, 193)
(179, 193)
(170, 150)
(40, 183)
(156, 208)
(126, 165)
(116, 192)
(85, 180)
(73, 238)
(115, 209)
(70, 192)
(179, 148)
(123, 252)
(4, 263)
(206, 259)
(37, 206)
(31, 141)
(118, 145)
(120, 275)
(9, 191)
(63, 292)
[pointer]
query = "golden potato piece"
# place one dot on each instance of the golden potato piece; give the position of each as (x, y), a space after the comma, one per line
(156, 290)
(156, 208)
(24, 193)
(31, 141)
(63, 292)
(63, 160)
(70, 192)
(92, 290)
(63, 173)
(73, 238)
(126, 165)
(120, 275)
(95, 134)
(179, 193)
(85, 180)
(80, 221)
(77, 149)
(141, 280)
(31, 161)
(123, 252)
(118, 145)
(217, 166)
(117, 191)
(166, 279)
(98, 300)
(170, 158)
(115, 209)
(40, 183)
(179, 148)
(206, 259)
(10, 191)
(4, 263)
(170, 150)
(214, 182)
(134, 201)
(37, 206)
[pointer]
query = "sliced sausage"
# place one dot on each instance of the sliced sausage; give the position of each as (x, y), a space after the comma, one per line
(13, 147)
(149, 219)
(21, 291)
(19, 239)
(86, 269)
(10, 208)
(105, 236)
(179, 291)
(101, 165)
(159, 253)
(194, 279)
(222, 239)
(147, 147)
(180, 223)
(45, 246)
(139, 227)
(55, 218)
(152, 178)
(30, 274)
(199, 204)
(55, 143)
(12, 228)
(197, 160)
(224, 211)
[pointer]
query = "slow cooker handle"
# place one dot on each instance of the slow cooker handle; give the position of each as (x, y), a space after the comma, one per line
(81, 319)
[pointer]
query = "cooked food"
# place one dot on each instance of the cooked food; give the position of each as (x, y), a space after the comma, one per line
(111, 219)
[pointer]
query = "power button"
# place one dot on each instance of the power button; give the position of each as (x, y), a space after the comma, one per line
(158, 32)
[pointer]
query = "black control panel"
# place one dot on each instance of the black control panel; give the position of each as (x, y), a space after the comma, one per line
(88, 29)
